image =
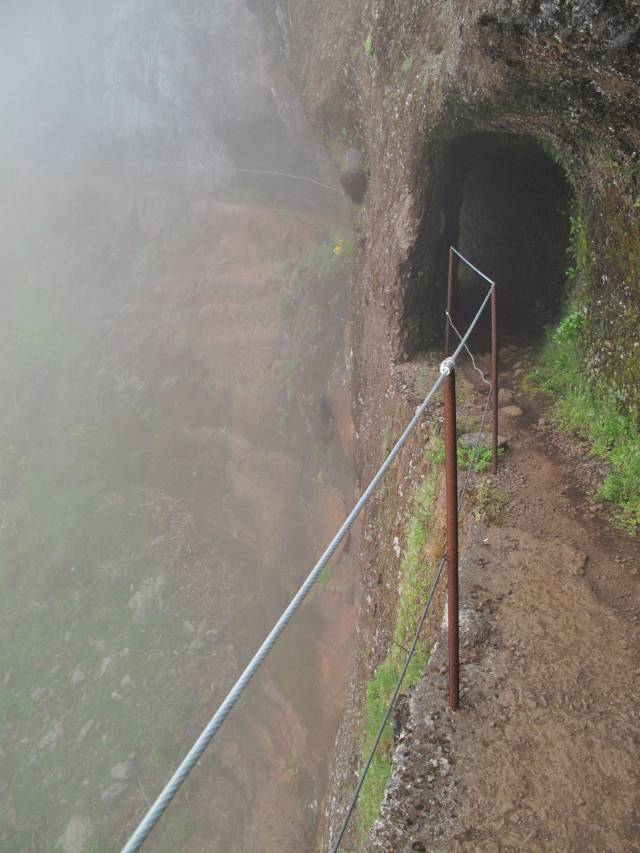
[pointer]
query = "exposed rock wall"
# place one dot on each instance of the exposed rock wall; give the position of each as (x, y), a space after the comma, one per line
(406, 82)
(401, 80)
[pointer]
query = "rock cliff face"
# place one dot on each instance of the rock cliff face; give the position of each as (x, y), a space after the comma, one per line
(443, 100)
(152, 86)
(409, 83)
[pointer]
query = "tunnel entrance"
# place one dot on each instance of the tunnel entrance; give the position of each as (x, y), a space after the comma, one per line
(505, 204)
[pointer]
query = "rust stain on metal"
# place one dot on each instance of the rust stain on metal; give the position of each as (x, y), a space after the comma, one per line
(451, 472)
(494, 378)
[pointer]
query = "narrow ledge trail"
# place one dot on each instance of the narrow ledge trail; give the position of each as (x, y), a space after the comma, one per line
(544, 753)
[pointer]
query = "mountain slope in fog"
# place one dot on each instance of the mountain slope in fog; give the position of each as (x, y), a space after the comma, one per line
(162, 85)
(167, 464)
(169, 461)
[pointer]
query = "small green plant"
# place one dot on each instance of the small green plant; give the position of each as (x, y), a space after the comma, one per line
(407, 64)
(325, 259)
(416, 571)
(569, 328)
(487, 502)
(478, 458)
(435, 450)
(325, 576)
(367, 45)
(578, 250)
(329, 257)
(286, 305)
(466, 423)
(379, 692)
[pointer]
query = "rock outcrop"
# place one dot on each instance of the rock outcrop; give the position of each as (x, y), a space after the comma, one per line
(443, 100)
(406, 83)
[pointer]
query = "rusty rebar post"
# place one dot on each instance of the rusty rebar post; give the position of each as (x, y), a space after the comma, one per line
(451, 472)
(494, 379)
(449, 302)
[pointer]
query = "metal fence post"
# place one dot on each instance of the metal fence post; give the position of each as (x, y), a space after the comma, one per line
(494, 378)
(449, 301)
(451, 471)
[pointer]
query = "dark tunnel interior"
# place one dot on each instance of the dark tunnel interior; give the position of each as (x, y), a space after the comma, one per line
(505, 204)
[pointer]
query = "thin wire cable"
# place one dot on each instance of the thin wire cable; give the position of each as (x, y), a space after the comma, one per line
(425, 611)
(475, 446)
(385, 719)
(183, 770)
(195, 753)
(482, 376)
(281, 175)
(471, 266)
(203, 170)
(472, 325)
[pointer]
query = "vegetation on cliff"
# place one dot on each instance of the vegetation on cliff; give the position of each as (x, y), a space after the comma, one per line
(589, 402)
(422, 550)
(594, 413)
(479, 122)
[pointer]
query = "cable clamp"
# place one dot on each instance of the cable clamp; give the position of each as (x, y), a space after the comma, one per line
(448, 367)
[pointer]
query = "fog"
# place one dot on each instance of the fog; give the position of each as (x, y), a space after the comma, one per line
(174, 428)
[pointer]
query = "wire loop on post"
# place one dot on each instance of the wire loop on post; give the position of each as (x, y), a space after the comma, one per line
(447, 367)
(363, 774)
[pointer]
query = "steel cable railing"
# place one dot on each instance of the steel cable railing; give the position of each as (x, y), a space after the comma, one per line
(185, 767)
(413, 647)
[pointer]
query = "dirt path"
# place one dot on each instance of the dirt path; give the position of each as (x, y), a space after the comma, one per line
(545, 751)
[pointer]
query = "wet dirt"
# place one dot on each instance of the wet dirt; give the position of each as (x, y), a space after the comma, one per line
(544, 753)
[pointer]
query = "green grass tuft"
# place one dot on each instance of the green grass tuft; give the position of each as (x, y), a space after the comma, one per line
(487, 502)
(417, 572)
(325, 576)
(481, 457)
(594, 414)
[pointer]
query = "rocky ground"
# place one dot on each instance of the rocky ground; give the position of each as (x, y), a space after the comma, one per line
(544, 751)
